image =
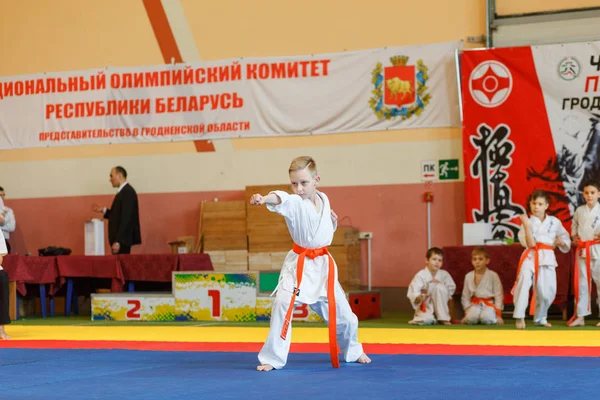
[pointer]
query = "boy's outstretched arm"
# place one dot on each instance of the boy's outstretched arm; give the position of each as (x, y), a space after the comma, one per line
(259, 200)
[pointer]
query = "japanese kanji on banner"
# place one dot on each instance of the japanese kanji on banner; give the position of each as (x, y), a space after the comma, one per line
(530, 121)
(390, 88)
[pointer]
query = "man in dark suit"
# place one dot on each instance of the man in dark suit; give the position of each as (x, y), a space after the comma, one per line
(123, 216)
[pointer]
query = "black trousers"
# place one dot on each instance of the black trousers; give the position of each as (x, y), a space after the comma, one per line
(4, 304)
(124, 249)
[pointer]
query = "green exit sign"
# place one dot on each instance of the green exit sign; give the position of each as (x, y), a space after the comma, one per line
(448, 169)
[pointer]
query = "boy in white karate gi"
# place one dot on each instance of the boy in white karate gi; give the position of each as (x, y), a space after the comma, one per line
(309, 274)
(539, 234)
(482, 296)
(430, 290)
(586, 234)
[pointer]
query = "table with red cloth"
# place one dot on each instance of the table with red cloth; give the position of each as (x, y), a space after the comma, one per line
(148, 267)
(55, 270)
(195, 262)
(504, 260)
(33, 270)
(159, 267)
(91, 267)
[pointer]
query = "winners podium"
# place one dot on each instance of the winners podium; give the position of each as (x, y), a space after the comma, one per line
(197, 296)
(216, 296)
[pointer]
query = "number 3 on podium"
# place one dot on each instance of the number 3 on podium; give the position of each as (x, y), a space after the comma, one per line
(216, 303)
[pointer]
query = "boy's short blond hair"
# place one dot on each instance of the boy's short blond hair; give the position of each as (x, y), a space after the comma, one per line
(480, 251)
(299, 163)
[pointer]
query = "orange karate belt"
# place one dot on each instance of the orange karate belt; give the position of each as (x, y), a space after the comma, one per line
(312, 254)
(536, 261)
(423, 306)
(488, 301)
(588, 267)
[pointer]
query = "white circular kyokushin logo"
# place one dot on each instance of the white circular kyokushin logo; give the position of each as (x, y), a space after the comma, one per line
(569, 68)
(490, 83)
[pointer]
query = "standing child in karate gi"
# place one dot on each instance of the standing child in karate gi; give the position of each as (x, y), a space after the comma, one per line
(4, 296)
(309, 273)
(586, 234)
(430, 290)
(482, 297)
(539, 234)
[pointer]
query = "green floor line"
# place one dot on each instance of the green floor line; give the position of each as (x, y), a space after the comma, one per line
(388, 320)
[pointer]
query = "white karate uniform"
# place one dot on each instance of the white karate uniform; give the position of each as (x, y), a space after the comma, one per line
(439, 294)
(586, 225)
(543, 232)
(309, 229)
(489, 287)
(3, 249)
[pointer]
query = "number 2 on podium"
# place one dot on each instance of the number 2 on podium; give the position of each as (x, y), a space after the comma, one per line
(216, 302)
(134, 313)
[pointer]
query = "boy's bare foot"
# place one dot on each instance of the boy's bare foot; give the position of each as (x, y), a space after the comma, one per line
(579, 321)
(598, 324)
(445, 322)
(520, 324)
(546, 325)
(264, 367)
(363, 359)
(412, 322)
(4, 336)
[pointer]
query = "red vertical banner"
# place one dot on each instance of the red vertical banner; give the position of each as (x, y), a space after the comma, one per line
(508, 146)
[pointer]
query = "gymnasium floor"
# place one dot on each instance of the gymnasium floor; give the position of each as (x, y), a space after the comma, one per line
(75, 358)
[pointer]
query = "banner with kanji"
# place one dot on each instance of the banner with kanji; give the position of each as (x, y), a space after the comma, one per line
(370, 90)
(530, 121)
